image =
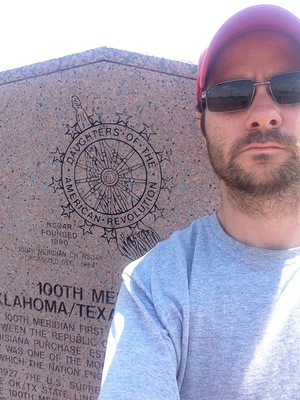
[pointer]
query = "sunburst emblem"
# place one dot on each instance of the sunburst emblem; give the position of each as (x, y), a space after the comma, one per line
(111, 177)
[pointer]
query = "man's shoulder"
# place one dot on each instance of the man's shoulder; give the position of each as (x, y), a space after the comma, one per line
(176, 252)
(187, 238)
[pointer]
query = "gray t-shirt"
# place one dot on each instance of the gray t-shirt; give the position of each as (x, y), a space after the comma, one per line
(203, 316)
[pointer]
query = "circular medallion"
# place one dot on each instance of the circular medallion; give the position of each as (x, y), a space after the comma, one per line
(111, 175)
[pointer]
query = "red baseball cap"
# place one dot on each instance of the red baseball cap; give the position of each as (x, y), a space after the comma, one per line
(255, 18)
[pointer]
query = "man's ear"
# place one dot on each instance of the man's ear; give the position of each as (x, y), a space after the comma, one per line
(198, 118)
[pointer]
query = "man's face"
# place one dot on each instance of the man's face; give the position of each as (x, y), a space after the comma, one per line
(256, 150)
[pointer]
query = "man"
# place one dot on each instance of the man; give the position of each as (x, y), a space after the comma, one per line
(214, 311)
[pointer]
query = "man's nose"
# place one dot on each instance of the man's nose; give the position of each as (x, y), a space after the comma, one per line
(264, 111)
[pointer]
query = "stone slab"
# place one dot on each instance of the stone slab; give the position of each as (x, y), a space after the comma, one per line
(100, 160)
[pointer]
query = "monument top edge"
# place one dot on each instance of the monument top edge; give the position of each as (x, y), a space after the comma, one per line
(98, 55)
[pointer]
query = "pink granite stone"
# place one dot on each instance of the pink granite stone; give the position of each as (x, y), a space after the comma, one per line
(100, 160)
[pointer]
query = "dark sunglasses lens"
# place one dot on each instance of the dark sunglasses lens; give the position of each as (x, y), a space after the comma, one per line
(286, 88)
(230, 96)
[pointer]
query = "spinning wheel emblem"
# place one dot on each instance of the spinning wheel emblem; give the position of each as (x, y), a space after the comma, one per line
(111, 176)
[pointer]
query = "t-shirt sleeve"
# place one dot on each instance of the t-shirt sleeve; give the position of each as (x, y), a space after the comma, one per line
(142, 354)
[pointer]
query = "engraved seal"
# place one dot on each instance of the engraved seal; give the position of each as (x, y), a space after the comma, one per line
(111, 175)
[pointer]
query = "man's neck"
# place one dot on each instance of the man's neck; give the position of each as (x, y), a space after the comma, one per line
(265, 223)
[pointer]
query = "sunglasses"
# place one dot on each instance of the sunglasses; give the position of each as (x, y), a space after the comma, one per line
(238, 94)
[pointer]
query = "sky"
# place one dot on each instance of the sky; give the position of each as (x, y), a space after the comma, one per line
(33, 31)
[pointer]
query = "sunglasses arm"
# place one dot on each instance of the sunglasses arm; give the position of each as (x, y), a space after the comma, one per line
(202, 103)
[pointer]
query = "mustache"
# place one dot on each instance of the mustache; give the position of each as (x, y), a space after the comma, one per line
(261, 137)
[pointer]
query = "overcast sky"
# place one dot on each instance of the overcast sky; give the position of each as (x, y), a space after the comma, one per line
(39, 30)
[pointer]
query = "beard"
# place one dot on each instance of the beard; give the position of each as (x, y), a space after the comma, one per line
(272, 180)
